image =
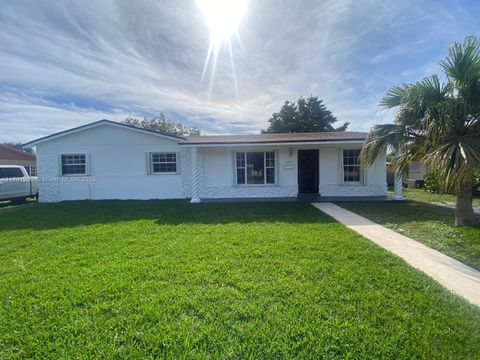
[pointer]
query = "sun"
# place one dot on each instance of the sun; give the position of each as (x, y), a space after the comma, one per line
(223, 18)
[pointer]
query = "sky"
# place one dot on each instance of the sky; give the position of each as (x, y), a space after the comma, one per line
(68, 63)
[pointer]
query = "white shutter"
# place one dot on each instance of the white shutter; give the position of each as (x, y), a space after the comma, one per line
(87, 164)
(148, 163)
(60, 172)
(178, 158)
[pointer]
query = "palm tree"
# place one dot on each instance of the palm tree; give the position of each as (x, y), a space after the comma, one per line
(437, 124)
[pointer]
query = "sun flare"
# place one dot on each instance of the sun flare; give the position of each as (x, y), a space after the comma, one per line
(223, 19)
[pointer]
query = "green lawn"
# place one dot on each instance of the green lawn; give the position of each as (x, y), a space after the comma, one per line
(168, 279)
(424, 196)
(429, 224)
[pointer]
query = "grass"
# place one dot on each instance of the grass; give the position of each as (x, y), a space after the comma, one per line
(424, 196)
(167, 279)
(429, 224)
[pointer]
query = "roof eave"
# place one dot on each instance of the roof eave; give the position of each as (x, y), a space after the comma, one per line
(95, 124)
(272, 143)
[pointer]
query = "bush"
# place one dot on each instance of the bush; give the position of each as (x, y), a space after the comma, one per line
(476, 183)
(431, 183)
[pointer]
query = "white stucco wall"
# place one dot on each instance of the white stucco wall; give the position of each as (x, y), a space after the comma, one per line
(217, 174)
(118, 166)
(118, 169)
(331, 175)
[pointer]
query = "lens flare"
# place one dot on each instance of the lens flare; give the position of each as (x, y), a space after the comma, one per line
(223, 18)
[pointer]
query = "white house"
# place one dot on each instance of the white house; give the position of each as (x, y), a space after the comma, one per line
(110, 160)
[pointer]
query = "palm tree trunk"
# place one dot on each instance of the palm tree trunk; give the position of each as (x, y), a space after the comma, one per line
(464, 215)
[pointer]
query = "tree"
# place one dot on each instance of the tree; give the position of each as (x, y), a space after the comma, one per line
(18, 146)
(161, 124)
(437, 124)
(306, 115)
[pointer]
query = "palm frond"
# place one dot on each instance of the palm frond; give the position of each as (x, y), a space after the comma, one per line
(402, 159)
(395, 96)
(462, 65)
(381, 139)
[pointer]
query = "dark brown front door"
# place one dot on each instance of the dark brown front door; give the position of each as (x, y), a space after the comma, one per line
(308, 171)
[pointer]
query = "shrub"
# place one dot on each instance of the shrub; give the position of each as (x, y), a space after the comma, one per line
(476, 183)
(431, 183)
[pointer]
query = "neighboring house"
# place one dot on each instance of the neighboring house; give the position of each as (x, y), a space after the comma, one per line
(12, 156)
(416, 174)
(110, 160)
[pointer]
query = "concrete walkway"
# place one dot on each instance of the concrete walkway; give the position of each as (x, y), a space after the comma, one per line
(455, 276)
(451, 205)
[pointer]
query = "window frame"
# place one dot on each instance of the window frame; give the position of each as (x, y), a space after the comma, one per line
(245, 167)
(86, 164)
(360, 169)
(151, 163)
(29, 168)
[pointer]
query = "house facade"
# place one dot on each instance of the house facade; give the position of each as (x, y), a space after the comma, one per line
(109, 160)
(416, 173)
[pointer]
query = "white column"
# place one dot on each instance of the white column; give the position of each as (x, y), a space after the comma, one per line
(398, 186)
(195, 175)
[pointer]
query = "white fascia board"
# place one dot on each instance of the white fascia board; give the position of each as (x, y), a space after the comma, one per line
(286, 144)
(94, 125)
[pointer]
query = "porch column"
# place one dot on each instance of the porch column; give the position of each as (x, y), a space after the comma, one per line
(397, 186)
(195, 175)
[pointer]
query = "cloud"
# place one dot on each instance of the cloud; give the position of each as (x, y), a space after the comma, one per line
(67, 63)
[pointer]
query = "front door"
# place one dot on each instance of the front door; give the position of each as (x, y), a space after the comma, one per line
(308, 171)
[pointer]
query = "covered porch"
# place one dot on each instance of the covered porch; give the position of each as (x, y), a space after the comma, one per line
(308, 170)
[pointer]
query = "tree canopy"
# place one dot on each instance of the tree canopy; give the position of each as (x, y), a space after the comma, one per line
(437, 123)
(305, 115)
(161, 124)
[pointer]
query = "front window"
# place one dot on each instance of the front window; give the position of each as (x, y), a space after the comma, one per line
(74, 164)
(164, 162)
(255, 168)
(351, 166)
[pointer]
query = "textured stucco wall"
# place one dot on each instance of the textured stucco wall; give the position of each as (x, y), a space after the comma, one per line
(47, 171)
(353, 190)
(118, 165)
(331, 175)
(186, 173)
(217, 175)
(214, 192)
(117, 162)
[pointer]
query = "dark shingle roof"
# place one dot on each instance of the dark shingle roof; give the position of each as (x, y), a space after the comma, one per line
(275, 138)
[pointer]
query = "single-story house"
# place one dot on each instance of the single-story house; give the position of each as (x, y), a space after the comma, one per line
(111, 160)
(12, 156)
